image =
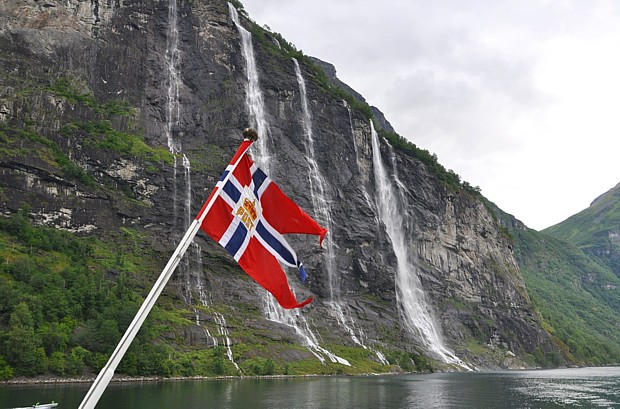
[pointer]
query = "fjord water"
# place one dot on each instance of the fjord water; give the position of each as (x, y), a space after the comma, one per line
(559, 388)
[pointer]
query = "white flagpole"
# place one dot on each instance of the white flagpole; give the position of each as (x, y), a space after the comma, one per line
(106, 373)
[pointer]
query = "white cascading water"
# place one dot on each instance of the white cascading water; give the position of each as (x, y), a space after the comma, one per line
(379, 354)
(322, 209)
(187, 173)
(173, 106)
(192, 261)
(173, 115)
(173, 110)
(262, 157)
(253, 96)
(173, 58)
(320, 201)
(416, 312)
(187, 219)
(223, 328)
(205, 330)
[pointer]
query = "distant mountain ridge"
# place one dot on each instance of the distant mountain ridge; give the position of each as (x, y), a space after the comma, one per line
(595, 230)
(572, 275)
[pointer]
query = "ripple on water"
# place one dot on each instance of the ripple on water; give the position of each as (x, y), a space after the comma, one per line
(581, 388)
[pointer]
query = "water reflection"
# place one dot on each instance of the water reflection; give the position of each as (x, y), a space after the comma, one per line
(584, 388)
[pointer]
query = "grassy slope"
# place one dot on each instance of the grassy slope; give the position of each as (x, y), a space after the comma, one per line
(576, 295)
(595, 229)
(67, 300)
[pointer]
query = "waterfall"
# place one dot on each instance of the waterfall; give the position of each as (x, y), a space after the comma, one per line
(173, 115)
(256, 110)
(187, 167)
(262, 157)
(189, 216)
(253, 96)
(172, 125)
(173, 110)
(187, 208)
(173, 58)
(298, 322)
(202, 296)
(317, 189)
(416, 312)
(205, 330)
(322, 209)
(173, 107)
(223, 328)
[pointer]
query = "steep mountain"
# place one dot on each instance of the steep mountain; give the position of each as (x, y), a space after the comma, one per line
(116, 121)
(595, 230)
(574, 291)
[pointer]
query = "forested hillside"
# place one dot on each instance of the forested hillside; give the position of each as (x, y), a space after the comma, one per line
(66, 301)
(576, 294)
(595, 230)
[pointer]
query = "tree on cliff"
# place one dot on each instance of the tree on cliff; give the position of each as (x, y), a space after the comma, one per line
(22, 347)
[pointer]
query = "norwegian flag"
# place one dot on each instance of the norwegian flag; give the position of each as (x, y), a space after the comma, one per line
(249, 216)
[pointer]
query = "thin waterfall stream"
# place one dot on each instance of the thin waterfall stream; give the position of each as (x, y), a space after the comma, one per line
(262, 156)
(322, 208)
(415, 310)
(320, 202)
(191, 267)
(173, 108)
(187, 219)
(173, 115)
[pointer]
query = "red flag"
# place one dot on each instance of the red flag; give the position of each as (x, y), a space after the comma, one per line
(249, 216)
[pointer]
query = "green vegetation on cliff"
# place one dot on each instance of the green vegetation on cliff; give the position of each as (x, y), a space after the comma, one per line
(66, 301)
(576, 295)
(572, 273)
(595, 230)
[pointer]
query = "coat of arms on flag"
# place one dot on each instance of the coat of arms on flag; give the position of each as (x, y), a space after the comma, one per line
(248, 216)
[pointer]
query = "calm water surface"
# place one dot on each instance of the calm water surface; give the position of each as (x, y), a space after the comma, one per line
(560, 388)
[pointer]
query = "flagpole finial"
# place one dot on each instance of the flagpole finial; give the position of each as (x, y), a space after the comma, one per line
(249, 133)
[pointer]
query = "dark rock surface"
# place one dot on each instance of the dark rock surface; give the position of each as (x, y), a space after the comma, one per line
(117, 51)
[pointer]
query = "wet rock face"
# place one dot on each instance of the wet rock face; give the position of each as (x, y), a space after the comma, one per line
(114, 54)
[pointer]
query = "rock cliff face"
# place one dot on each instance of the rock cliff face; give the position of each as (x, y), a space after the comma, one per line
(101, 102)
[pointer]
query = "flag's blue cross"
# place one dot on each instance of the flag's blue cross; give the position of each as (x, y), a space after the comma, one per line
(237, 236)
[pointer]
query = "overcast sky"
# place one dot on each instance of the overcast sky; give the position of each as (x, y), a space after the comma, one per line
(518, 97)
